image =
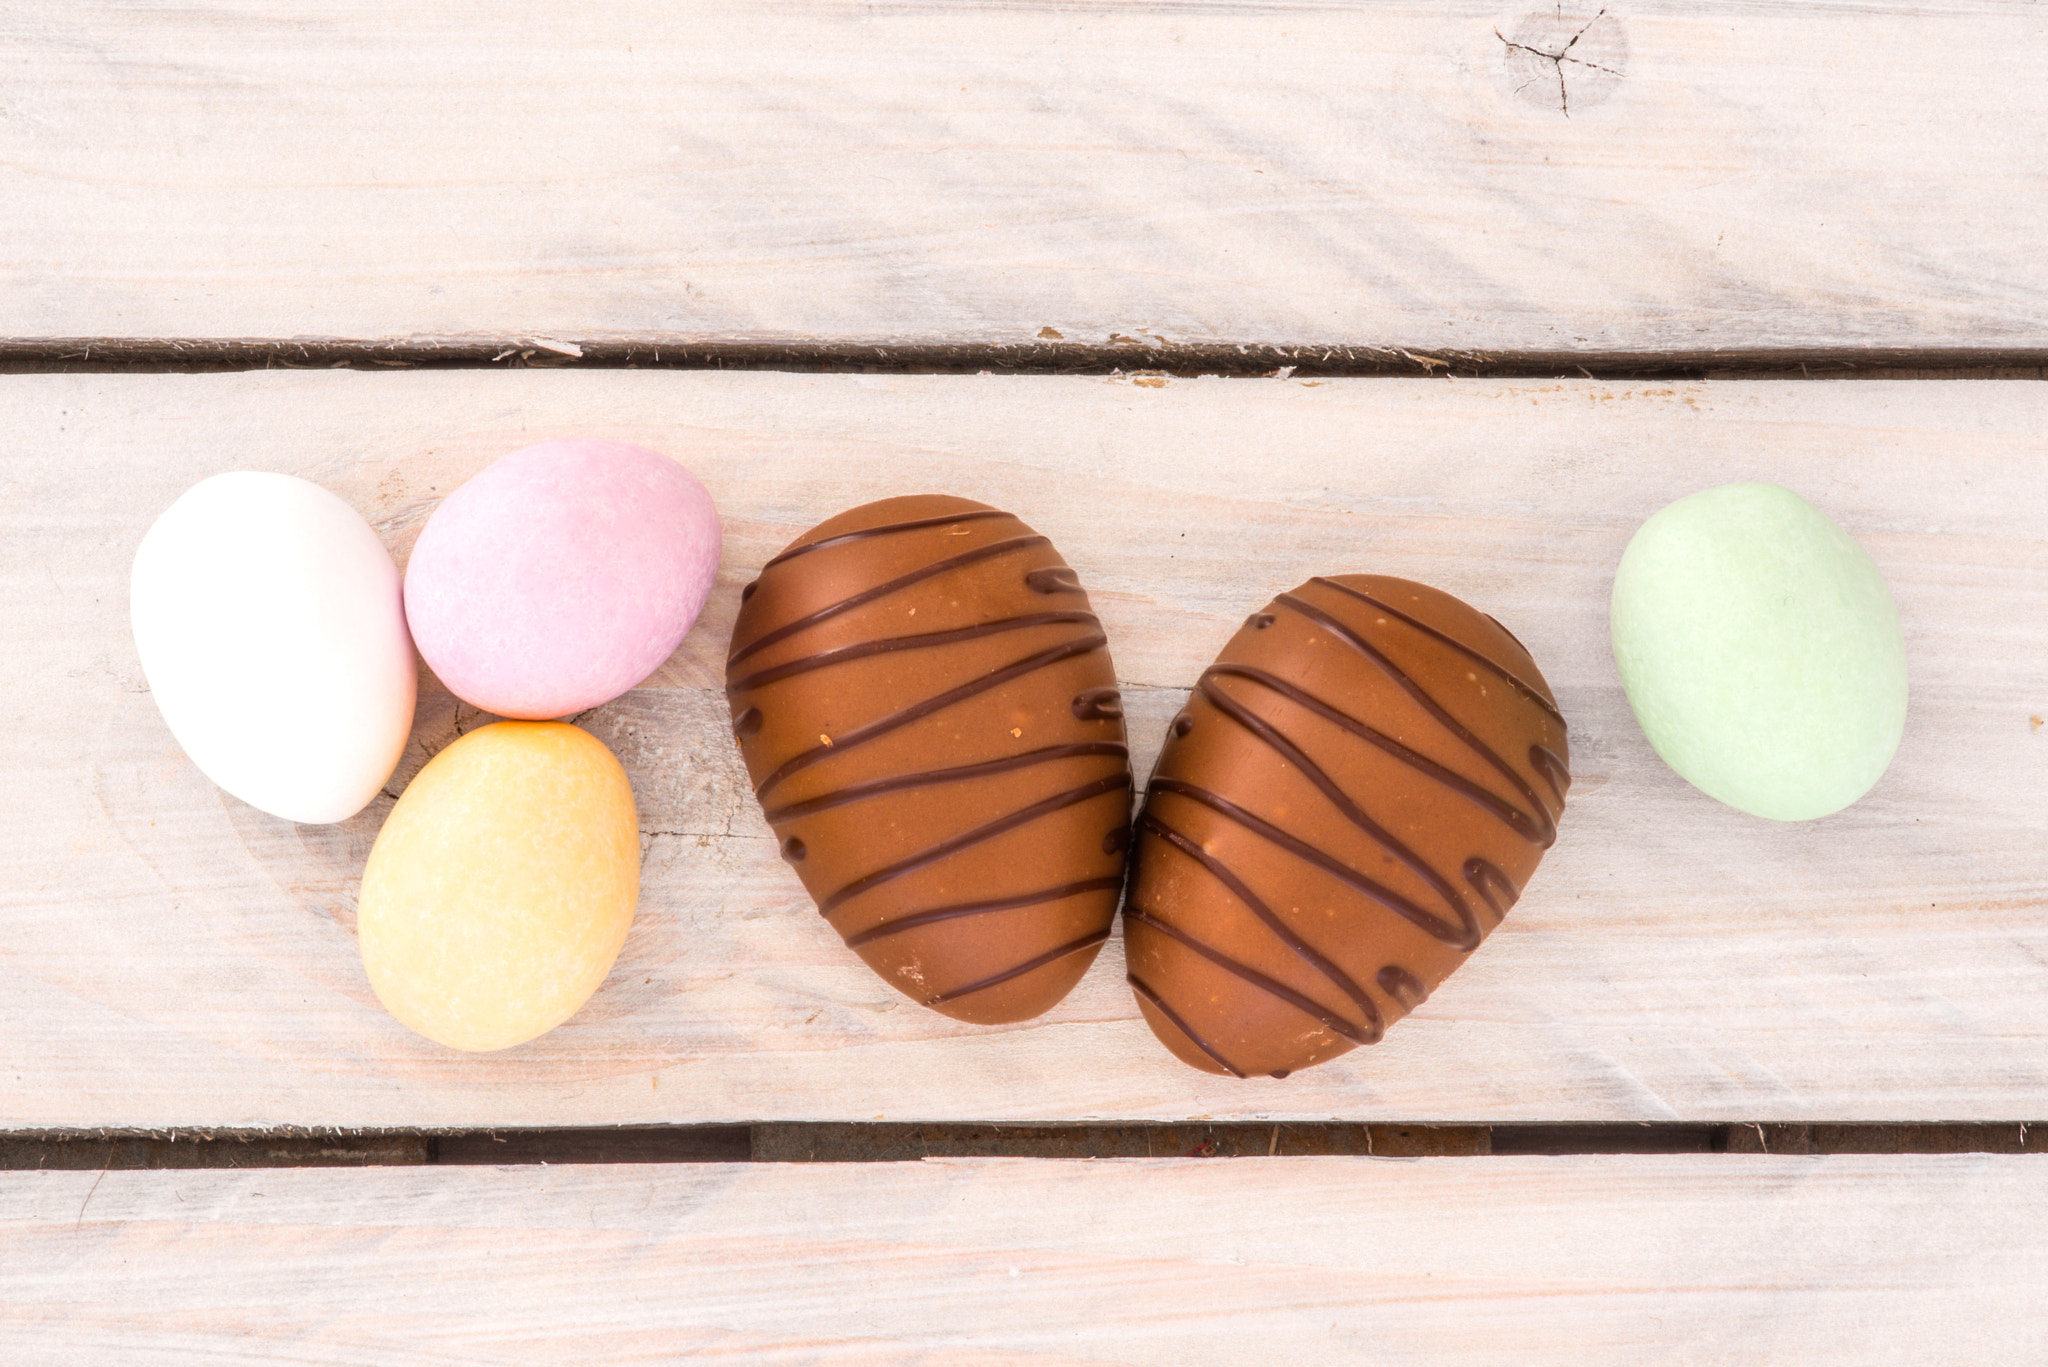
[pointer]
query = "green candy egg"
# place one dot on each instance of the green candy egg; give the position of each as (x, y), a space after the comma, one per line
(1761, 651)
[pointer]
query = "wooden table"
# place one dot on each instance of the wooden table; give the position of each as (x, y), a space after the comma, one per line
(1442, 291)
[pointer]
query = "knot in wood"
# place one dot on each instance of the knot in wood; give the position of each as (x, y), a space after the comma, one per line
(1558, 59)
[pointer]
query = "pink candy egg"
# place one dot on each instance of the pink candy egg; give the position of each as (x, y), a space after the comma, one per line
(561, 576)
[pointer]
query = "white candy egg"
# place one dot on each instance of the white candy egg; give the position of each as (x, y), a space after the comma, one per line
(271, 625)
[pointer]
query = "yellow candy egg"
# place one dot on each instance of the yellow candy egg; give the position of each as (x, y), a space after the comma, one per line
(500, 889)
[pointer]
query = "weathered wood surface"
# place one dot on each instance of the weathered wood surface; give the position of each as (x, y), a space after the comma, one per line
(1690, 176)
(169, 957)
(1910, 1261)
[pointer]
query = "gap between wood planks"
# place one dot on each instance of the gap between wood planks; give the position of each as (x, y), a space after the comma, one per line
(832, 1142)
(1117, 353)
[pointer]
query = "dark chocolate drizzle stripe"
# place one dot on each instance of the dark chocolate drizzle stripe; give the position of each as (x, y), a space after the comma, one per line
(929, 640)
(1403, 986)
(1465, 937)
(1467, 651)
(1335, 1023)
(1504, 630)
(1276, 740)
(1053, 579)
(1087, 941)
(898, 784)
(1545, 762)
(886, 529)
(1374, 1026)
(1098, 704)
(1109, 783)
(1159, 1004)
(1026, 899)
(1493, 886)
(1415, 691)
(937, 567)
(1539, 828)
(1015, 670)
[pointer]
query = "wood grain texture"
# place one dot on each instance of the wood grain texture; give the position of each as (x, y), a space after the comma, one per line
(1727, 175)
(1616, 1260)
(170, 958)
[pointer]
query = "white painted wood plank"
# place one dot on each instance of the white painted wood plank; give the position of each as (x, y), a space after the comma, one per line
(1309, 172)
(169, 957)
(1617, 1260)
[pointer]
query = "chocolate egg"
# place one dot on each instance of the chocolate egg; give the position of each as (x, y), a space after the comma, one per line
(1358, 790)
(930, 719)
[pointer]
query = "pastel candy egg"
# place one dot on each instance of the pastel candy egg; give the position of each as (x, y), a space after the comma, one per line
(1761, 651)
(561, 576)
(270, 626)
(500, 889)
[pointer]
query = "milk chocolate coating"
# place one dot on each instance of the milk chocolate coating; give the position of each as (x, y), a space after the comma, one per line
(1356, 793)
(930, 718)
